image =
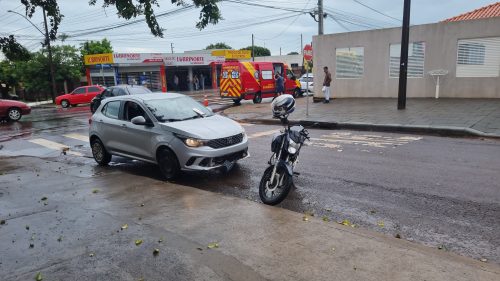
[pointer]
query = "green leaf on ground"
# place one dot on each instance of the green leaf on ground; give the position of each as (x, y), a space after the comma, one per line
(156, 252)
(95, 190)
(59, 239)
(38, 277)
(380, 223)
(44, 198)
(325, 219)
(213, 245)
(125, 226)
(138, 242)
(305, 218)
(346, 223)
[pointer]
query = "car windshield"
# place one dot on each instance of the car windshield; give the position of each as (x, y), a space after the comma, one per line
(177, 109)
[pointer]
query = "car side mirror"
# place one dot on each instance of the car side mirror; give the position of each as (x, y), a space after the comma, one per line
(139, 120)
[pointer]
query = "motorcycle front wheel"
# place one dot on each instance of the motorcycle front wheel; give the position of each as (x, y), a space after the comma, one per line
(272, 193)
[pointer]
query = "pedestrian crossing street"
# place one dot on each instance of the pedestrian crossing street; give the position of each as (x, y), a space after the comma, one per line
(77, 144)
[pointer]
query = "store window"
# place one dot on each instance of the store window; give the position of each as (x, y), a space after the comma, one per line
(350, 62)
(416, 58)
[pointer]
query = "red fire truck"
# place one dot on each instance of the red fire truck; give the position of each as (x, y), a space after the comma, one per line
(255, 80)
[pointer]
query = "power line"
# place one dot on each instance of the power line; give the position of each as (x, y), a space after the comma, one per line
(377, 11)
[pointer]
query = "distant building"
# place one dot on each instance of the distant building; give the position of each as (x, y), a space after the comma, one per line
(366, 63)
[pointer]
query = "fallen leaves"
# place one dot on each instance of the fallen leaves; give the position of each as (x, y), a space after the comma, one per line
(325, 219)
(483, 260)
(213, 245)
(138, 242)
(38, 276)
(95, 190)
(2, 222)
(305, 218)
(91, 255)
(59, 239)
(44, 198)
(398, 235)
(380, 224)
(125, 226)
(156, 252)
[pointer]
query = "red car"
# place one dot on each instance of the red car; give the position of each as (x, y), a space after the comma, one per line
(79, 95)
(13, 110)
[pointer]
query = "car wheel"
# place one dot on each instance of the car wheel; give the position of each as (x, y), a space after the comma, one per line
(65, 103)
(101, 156)
(168, 163)
(297, 93)
(257, 98)
(14, 114)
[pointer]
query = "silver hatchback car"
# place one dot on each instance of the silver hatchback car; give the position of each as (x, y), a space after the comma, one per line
(171, 130)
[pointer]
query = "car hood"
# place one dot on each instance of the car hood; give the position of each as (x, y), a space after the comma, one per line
(208, 128)
(14, 103)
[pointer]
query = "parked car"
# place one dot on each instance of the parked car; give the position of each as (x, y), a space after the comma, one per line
(13, 110)
(303, 83)
(174, 131)
(79, 95)
(115, 91)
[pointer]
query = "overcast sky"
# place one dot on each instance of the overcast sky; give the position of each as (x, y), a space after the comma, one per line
(273, 28)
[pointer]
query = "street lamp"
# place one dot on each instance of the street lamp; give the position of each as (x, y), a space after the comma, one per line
(47, 42)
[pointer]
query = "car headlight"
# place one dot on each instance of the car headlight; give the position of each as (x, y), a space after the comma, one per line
(193, 142)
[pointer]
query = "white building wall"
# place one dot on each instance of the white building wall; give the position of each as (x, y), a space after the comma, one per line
(441, 40)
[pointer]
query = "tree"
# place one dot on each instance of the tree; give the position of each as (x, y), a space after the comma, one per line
(9, 77)
(220, 45)
(259, 51)
(293, 53)
(67, 63)
(96, 47)
(12, 50)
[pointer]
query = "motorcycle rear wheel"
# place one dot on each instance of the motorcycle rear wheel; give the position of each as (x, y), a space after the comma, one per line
(272, 193)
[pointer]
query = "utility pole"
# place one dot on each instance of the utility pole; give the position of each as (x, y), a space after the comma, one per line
(320, 17)
(301, 45)
(280, 51)
(403, 65)
(253, 57)
(172, 47)
(51, 64)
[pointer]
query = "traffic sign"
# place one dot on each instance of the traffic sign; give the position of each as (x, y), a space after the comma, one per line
(308, 52)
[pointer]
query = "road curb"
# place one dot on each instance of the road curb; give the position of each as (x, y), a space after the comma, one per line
(430, 130)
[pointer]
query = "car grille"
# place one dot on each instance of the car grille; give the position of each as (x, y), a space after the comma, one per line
(224, 142)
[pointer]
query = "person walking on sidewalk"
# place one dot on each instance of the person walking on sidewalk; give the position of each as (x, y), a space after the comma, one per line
(326, 84)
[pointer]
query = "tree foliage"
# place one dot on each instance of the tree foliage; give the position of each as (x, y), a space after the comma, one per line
(12, 50)
(219, 45)
(209, 13)
(96, 47)
(293, 53)
(259, 51)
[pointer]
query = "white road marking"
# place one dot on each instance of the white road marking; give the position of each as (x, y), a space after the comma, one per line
(54, 146)
(80, 137)
(366, 140)
(261, 134)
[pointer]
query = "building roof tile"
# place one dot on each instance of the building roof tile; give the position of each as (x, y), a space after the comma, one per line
(489, 11)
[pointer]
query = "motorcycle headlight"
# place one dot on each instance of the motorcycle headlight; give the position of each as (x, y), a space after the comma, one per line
(293, 144)
(292, 150)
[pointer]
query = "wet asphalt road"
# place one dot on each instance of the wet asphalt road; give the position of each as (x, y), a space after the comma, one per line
(442, 192)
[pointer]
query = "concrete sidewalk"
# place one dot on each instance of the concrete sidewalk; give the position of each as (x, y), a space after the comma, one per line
(480, 117)
(254, 241)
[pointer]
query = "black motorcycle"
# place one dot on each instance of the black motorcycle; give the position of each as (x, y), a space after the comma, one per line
(278, 177)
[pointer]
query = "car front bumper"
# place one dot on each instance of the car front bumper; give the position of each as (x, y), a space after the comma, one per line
(207, 158)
